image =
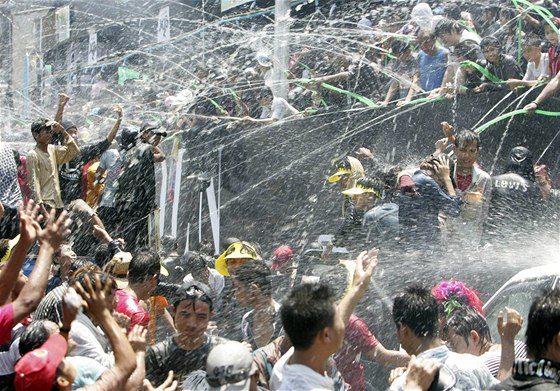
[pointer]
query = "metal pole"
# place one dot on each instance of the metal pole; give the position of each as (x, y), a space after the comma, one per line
(220, 148)
(281, 48)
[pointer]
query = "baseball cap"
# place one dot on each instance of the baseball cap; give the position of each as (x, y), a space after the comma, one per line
(365, 185)
(36, 370)
(229, 366)
(237, 250)
(118, 268)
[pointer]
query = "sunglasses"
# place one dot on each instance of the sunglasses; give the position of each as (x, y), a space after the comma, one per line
(221, 378)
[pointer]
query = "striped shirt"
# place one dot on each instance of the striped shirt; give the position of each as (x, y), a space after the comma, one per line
(50, 307)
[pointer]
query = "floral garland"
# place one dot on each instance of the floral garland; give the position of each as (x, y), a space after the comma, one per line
(456, 294)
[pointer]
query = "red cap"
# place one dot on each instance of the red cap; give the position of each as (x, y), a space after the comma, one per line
(282, 256)
(37, 369)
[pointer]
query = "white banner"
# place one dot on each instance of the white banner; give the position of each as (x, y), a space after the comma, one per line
(92, 49)
(229, 4)
(62, 18)
(214, 219)
(164, 28)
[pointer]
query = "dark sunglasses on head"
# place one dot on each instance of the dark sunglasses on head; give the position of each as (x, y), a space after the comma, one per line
(223, 378)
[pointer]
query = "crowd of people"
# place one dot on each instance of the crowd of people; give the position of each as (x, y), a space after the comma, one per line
(106, 304)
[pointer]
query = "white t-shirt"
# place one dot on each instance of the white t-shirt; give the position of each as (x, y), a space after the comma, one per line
(533, 73)
(289, 377)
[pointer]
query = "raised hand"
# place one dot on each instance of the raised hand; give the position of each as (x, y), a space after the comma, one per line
(118, 110)
(137, 338)
(509, 328)
(56, 230)
(29, 219)
(168, 385)
(365, 264)
(420, 374)
(63, 98)
(96, 298)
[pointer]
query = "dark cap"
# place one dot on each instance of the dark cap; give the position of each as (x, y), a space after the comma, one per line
(39, 125)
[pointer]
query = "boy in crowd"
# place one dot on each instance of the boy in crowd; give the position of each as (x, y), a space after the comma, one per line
(404, 86)
(537, 65)
(501, 65)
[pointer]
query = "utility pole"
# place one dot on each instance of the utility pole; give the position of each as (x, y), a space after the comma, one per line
(281, 48)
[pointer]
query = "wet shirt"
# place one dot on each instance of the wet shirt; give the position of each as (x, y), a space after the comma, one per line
(167, 355)
(469, 370)
(535, 375)
(432, 68)
(42, 172)
(248, 322)
(505, 70)
(129, 305)
(358, 339)
(111, 162)
(533, 72)
(554, 60)
(10, 193)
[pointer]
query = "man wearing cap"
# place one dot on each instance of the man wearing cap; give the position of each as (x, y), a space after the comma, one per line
(42, 163)
(135, 197)
(348, 170)
(70, 172)
(230, 367)
(186, 351)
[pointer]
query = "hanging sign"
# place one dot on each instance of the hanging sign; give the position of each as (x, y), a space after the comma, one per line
(92, 48)
(164, 28)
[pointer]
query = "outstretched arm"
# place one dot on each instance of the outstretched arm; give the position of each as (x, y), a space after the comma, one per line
(62, 101)
(113, 133)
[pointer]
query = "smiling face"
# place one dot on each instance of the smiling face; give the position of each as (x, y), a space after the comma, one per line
(492, 54)
(467, 154)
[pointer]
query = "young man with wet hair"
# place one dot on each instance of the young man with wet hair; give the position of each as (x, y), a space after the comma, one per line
(143, 277)
(253, 289)
(315, 324)
(500, 65)
(186, 351)
(405, 67)
(537, 64)
(415, 313)
(541, 371)
(43, 162)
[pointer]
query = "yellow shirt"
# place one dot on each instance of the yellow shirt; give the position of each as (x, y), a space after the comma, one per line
(42, 172)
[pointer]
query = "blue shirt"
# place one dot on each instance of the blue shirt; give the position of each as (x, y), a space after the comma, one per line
(431, 69)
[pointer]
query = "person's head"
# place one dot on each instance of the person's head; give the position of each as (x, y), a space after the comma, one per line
(40, 369)
(102, 255)
(150, 133)
(426, 41)
(429, 165)
(468, 332)
(71, 129)
(36, 334)
(311, 318)
(521, 163)
(41, 132)
(448, 32)
(467, 148)
(236, 255)
(265, 97)
(104, 278)
(415, 313)
(491, 49)
(64, 257)
(468, 51)
(491, 13)
(230, 366)
(401, 49)
(550, 34)
(348, 170)
(253, 285)
(192, 308)
(452, 11)
(543, 327)
(282, 259)
(169, 244)
(506, 17)
(366, 191)
(532, 48)
(143, 273)
(129, 136)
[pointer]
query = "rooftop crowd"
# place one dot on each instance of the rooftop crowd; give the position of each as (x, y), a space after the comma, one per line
(91, 300)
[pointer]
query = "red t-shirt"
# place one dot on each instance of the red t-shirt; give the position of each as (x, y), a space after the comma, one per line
(6, 322)
(463, 182)
(553, 61)
(129, 305)
(357, 339)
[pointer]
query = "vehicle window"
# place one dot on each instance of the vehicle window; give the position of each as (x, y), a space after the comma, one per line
(518, 296)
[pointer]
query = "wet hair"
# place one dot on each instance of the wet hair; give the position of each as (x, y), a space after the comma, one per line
(428, 164)
(399, 47)
(228, 242)
(507, 13)
(143, 265)
(256, 272)
(337, 278)
(490, 42)
(543, 322)
(34, 336)
(532, 41)
(417, 309)
(104, 278)
(193, 261)
(452, 11)
(467, 136)
(169, 243)
(193, 292)
(446, 26)
(425, 35)
(307, 310)
(103, 254)
(468, 49)
(465, 320)
(38, 125)
(521, 163)
(264, 93)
